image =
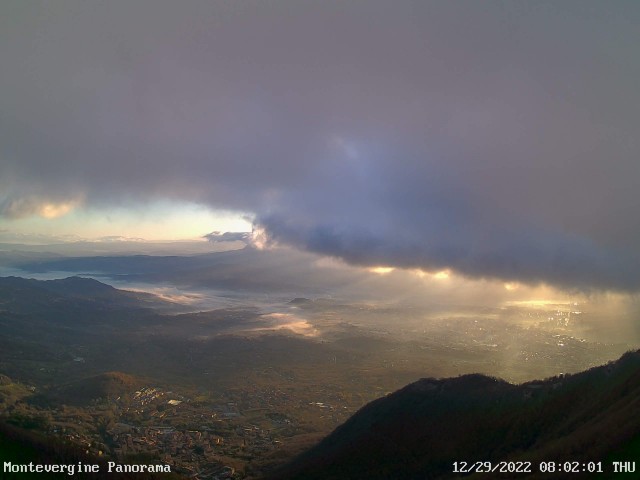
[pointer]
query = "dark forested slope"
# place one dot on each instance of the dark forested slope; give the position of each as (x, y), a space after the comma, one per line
(422, 429)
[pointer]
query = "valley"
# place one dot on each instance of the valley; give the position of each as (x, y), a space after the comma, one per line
(238, 391)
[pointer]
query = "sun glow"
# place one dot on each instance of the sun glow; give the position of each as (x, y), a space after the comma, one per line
(442, 275)
(55, 210)
(381, 270)
(538, 303)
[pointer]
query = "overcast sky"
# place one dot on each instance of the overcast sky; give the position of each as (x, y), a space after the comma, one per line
(496, 139)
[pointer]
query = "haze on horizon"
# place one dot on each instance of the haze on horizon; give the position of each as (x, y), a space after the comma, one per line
(494, 140)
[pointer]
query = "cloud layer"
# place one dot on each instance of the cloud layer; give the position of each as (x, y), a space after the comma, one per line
(496, 139)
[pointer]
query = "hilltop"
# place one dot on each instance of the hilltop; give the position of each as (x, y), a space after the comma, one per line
(108, 385)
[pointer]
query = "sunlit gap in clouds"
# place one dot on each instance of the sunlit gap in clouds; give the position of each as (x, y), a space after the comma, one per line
(53, 210)
(440, 275)
(39, 207)
(597, 316)
(381, 270)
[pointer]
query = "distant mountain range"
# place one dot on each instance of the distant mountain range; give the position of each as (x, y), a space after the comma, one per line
(246, 269)
(420, 431)
(22, 295)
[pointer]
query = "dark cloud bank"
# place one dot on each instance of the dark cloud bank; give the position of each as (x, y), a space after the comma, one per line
(499, 139)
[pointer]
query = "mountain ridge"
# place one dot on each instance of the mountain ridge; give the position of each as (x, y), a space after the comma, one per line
(421, 429)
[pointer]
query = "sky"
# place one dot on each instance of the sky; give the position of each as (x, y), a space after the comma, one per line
(147, 221)
(497, 140)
